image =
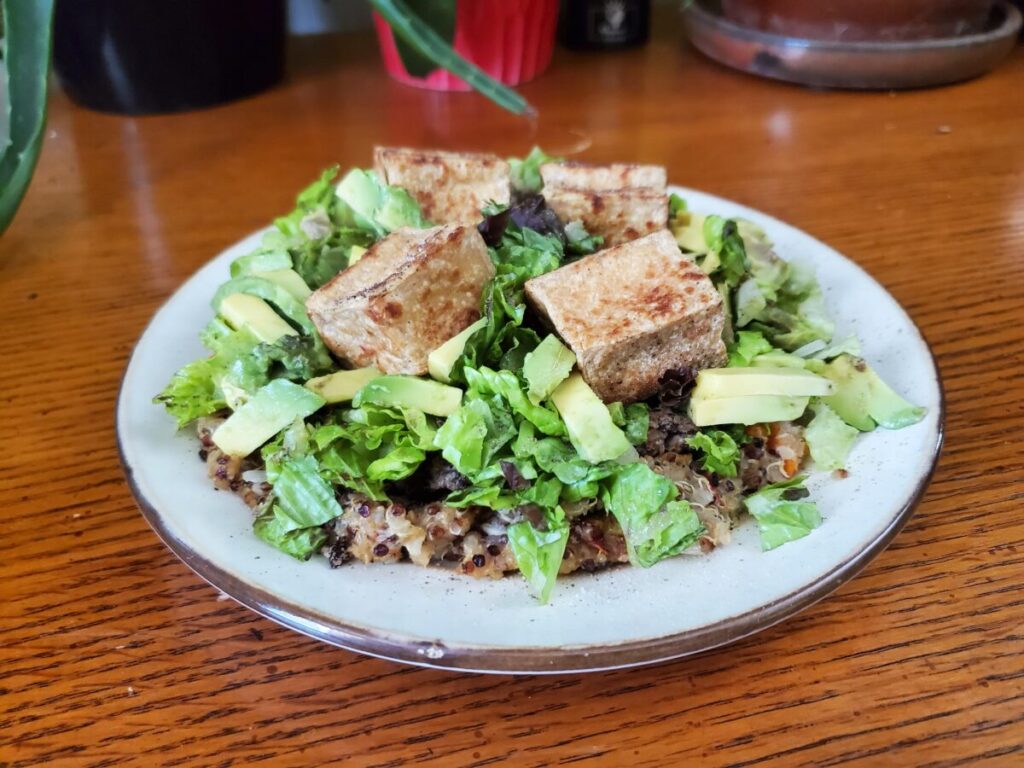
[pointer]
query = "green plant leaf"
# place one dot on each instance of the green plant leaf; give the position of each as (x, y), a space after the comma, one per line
(439, 15)
(25, 49)
(407, 27)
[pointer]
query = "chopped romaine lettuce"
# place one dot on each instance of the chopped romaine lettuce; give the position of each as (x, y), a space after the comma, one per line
(718, 451)
(676, 205)
(366, 203)
(727, 257)
(508, 386)
(579, 242)
(634, 419)
(239, 366)
(524, 173)
(471, 438)
(539, 552)
(829, 438)
(782, 514)
(303, 497)
(653, 522)
(276, 530)
(366, 446)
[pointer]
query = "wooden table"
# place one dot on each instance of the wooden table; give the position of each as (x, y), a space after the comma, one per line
(114, 653)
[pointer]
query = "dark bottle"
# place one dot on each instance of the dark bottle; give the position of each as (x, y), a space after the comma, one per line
(149, 56)
(604, 24)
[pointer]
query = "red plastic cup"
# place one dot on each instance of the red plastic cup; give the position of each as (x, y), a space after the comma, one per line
(511, 40)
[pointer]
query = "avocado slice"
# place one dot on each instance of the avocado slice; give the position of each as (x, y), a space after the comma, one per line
(863, 399)
(244, 311)
(546, 367)
(691, 234)
(441, 361)
(713, 383)
(411, 392)
(751, 409)
(342, 386)
(288, 279)
(398, 209)
(361, 192)
(588, 421)
(271, 409)
(269, 291)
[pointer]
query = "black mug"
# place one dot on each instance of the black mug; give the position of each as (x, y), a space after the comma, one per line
(150, 56)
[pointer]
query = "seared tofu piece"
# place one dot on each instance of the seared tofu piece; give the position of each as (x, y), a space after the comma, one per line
(631, 313)
(619, 202)
(603, 178)
(451, 187)
(407, 295)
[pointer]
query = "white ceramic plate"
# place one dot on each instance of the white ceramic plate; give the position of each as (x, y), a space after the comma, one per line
(616, 618)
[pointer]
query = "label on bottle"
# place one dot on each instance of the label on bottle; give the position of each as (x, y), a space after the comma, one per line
(612, 21)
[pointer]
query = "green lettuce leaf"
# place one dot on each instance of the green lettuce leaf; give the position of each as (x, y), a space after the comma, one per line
(676, 205)
(524, 173)
(508, 386)
(304, 499)
(364, 447)
(782, 515)
(364, 202)
(748, 346)
(829, 438)
(274, 528)
(471, 438)
(316, 197)
(502, 342)
(525, 253)
(239, 365)
(634, 419)
(579, 242)
(653, 522)
(192, 392)
(318, 234)
(539, 552)
(727, 258)
(797, 316)
(718, 452)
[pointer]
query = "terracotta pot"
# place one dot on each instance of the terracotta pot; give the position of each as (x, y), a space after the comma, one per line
(511, 40)
(860, 19)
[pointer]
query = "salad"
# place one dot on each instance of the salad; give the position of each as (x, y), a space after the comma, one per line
(528, 366)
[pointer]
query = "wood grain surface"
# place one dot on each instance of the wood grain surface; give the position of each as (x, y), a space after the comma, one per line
(113, 653)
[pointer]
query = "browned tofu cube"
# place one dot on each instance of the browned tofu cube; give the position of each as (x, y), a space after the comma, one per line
(406, 296)
(631, 313)
(451, 187)
(619, 202)
(602, 178)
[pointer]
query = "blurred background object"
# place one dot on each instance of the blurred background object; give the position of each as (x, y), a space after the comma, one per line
(24, 72)
(860, 19)
(510, 40)
(865, 44)
(159, 56)
(604, 24)
(134, 57)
